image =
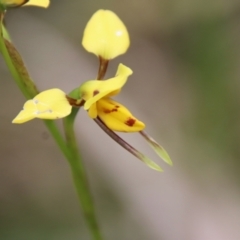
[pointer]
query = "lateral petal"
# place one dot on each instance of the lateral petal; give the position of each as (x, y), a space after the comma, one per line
(49, 104)
(28, 113)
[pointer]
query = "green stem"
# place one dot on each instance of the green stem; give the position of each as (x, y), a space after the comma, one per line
(53, 129)
(79, 176)
(12, 69)
(70, 150)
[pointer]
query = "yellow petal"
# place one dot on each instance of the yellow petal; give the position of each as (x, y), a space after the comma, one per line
(92, 112)
(105, 35)
(38, 3)
(28, 113)
(50, 104)
(117, 117)
(94, 90)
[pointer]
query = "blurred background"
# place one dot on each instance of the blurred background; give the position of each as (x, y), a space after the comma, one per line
(185, 57)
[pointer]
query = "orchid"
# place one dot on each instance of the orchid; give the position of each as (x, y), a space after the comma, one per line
(105, 36)
(53, 104)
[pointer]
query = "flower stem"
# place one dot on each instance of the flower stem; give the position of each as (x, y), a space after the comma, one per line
(52, 128)
(79, 176)
(103, 64)
(69, 149)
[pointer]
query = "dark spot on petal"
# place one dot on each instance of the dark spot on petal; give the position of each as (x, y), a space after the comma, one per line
(115, 109)
(130, 122)
(107, 111)
(95, 92)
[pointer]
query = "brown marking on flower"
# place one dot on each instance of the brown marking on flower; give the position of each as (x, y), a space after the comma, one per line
(75, 102)
(107, 111)
(95, 92)
(130, 122)
(115, 109)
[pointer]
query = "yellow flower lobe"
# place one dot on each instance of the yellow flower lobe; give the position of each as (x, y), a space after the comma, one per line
(105, 35)
(49, 104)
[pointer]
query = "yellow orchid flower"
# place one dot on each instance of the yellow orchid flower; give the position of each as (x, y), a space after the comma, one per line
(105, 35)
(49, 104)
(95, 98)
(96, 95)
(18, 3)
(53, 104)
